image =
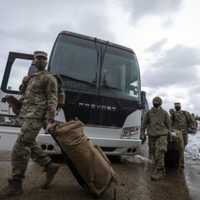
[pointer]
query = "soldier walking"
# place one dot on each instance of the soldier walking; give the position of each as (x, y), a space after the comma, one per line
(38, 109)
(157, 123)
(181, 120)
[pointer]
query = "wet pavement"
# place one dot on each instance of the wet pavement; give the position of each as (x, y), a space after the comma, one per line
(134, 182)
(192, 176)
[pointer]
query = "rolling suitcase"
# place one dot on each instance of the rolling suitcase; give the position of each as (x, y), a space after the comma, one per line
(88, 163)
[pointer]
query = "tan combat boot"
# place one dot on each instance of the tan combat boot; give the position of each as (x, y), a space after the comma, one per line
(13, 188)
(51, 170)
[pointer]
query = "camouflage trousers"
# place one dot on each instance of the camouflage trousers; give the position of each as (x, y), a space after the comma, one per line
(185, 137)
(180, 147)
(157, 150)
(26, 148)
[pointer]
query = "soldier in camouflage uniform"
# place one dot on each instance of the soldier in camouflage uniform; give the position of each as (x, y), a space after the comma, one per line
(157, 123)
(38, 109)
(181, 121)
(194, 123)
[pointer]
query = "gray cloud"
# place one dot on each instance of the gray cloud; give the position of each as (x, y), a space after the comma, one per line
(194, 99)
(35, 20)
(93, 25)
(30, 25)
(195, 90)
(189, 100)
(176, 66)
(158, 45)
(167, 22)
(180, 56)
(140, 8)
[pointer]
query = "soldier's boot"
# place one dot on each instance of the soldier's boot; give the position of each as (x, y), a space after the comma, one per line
(181, 167)
(158, 174)
(13, 188)
(51, 170)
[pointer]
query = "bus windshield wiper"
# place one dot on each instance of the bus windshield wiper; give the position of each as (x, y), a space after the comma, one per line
(105, 85)
(78, 80)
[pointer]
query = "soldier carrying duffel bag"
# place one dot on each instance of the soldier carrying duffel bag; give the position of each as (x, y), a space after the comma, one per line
(175, 153)
(87, 162)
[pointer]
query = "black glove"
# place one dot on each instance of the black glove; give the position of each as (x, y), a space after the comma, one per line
(143, 138)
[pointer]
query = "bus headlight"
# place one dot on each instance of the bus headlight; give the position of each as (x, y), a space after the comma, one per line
(129, 132)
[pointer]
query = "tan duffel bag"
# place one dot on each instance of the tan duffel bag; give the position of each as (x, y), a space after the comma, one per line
(92, 165)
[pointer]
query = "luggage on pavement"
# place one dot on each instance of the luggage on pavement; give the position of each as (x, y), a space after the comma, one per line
(88, 163)
(175, 153)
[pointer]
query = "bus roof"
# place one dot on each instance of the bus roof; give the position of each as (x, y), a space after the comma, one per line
(97, 39)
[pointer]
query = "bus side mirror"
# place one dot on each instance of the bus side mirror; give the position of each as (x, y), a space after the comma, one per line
(143, 100)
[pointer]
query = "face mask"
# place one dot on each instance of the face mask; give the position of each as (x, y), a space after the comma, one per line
(177, 108)
(156, 105)
(40, 66)
(40, 63)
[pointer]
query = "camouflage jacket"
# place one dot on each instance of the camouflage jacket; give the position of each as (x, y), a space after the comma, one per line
(40, 97)
(157, 122)
(181, 120)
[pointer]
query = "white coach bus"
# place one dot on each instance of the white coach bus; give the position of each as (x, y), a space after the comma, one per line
(102, 87)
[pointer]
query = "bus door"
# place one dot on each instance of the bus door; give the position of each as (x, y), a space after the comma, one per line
(16, 69)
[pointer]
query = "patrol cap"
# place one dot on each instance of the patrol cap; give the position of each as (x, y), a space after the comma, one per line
(157, 100)
(177, 104)
(40, 54)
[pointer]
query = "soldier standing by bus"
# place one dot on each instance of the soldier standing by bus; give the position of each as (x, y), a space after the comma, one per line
(38, 108)
(157, 123)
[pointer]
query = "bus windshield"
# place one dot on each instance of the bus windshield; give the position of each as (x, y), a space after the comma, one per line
(120, 73)
(77, 60)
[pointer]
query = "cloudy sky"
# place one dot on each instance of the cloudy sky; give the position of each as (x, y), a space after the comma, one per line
(163, 34)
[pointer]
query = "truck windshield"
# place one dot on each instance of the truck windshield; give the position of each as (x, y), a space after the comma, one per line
(77, 60)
